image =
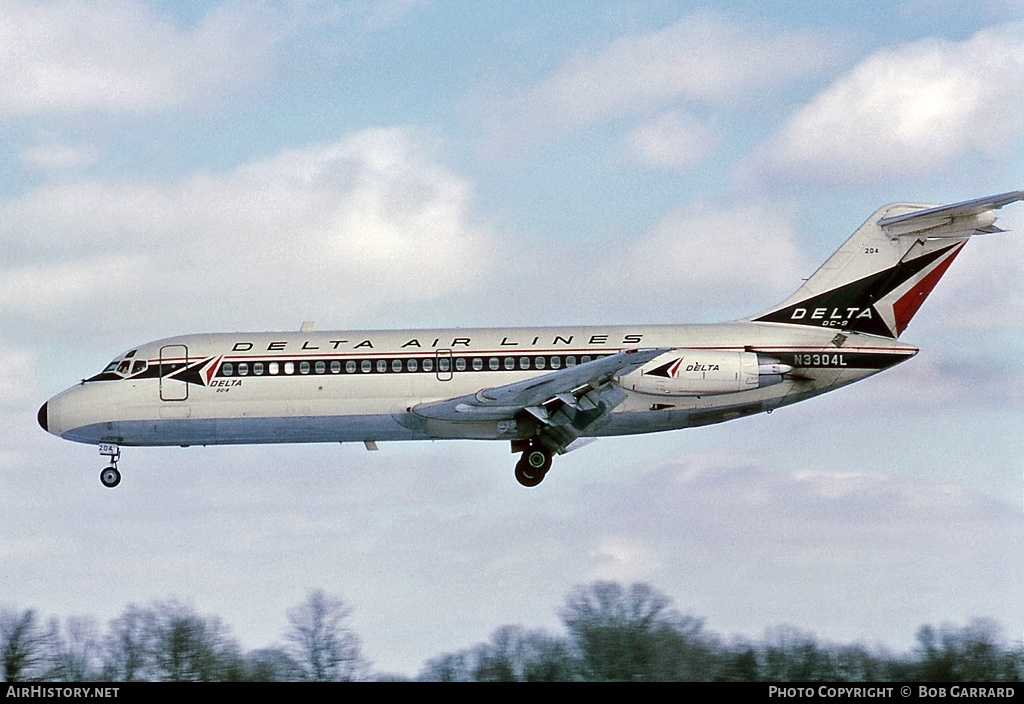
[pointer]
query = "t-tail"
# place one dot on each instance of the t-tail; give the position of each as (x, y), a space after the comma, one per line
(879, 278)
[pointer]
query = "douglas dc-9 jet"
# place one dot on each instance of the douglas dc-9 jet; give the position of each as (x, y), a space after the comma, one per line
(545, 390)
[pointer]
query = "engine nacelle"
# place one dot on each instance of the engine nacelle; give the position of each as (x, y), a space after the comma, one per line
(705, 372)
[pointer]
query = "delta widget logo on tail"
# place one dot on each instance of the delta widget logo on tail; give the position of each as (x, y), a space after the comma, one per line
(880, 304)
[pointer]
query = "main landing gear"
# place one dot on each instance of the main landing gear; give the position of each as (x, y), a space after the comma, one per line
(110, 477)
(533, 465)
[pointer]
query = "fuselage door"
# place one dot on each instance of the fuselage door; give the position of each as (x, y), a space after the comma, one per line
(173, 358)
(443, 365)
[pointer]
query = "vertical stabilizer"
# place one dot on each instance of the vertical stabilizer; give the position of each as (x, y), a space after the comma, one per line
(879, 278)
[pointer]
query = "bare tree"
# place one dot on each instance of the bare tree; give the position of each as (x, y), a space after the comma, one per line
(270, 665)
(974, 653)
(22, 645)
(449, 667)
(127, 655)
(792, 655)
(74, 650)
(320, 642)
(513, 654)
(632, 633)
(190, 647)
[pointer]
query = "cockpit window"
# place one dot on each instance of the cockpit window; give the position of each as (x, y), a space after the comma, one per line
(122, 367)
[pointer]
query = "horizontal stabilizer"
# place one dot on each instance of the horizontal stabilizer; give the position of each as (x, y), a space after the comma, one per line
(953, 220)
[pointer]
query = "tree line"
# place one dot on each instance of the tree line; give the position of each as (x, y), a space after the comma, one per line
(169, 641)
(612, 632)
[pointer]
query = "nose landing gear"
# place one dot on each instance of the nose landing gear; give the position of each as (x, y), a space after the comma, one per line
(110, 476)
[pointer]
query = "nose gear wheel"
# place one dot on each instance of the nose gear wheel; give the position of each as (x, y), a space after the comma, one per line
(110, 476)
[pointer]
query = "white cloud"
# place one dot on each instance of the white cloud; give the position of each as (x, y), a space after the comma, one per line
(109, 56)
(620, 558)
(17, 378)
(53, 156)
(355, 225)
(743, 254)
(911, 110)
(42, 288)
(704, 58)
(671, 140)
(982, 291)
(748, 544)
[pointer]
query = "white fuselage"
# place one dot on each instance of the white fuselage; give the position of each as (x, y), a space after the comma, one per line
(542, 389)
(275, 387)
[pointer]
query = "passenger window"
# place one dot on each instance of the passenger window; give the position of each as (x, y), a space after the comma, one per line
(350, 366)
(274, 368)
(382, 365)
(227, 369)
(257, 368)
(411, 364)
(493, 364)
(289, 367)
(396, 365)
(321, 367)
(444, 364)
(539, 363)
(584, 359)
(478, 364)
(524, 362)
(570, 361)
(243, 369)
(556, 362)
(303, 367)
(460, 364)
(366, 366)
(428, 365)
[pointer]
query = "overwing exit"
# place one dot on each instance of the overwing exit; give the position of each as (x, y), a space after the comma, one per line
(545, 391)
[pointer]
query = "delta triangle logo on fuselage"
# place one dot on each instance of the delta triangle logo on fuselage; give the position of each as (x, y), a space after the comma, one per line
(194, 373)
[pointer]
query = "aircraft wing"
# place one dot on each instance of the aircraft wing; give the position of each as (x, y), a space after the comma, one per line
(955, 220)
(594, 373)
(572, 386)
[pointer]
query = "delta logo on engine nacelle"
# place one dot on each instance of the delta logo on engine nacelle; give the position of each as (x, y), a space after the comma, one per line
(706, 372)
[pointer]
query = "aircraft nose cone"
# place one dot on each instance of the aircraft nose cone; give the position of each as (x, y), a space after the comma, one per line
(42, 417)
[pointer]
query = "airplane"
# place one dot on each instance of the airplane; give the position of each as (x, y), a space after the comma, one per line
(545, 390)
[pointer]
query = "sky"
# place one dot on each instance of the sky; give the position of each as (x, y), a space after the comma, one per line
(171, 168)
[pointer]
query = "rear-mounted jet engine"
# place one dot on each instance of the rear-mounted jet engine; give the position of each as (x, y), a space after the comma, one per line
(705, 373)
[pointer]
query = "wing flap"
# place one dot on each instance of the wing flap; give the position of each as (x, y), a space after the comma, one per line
(539, 389)
(568, 385)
